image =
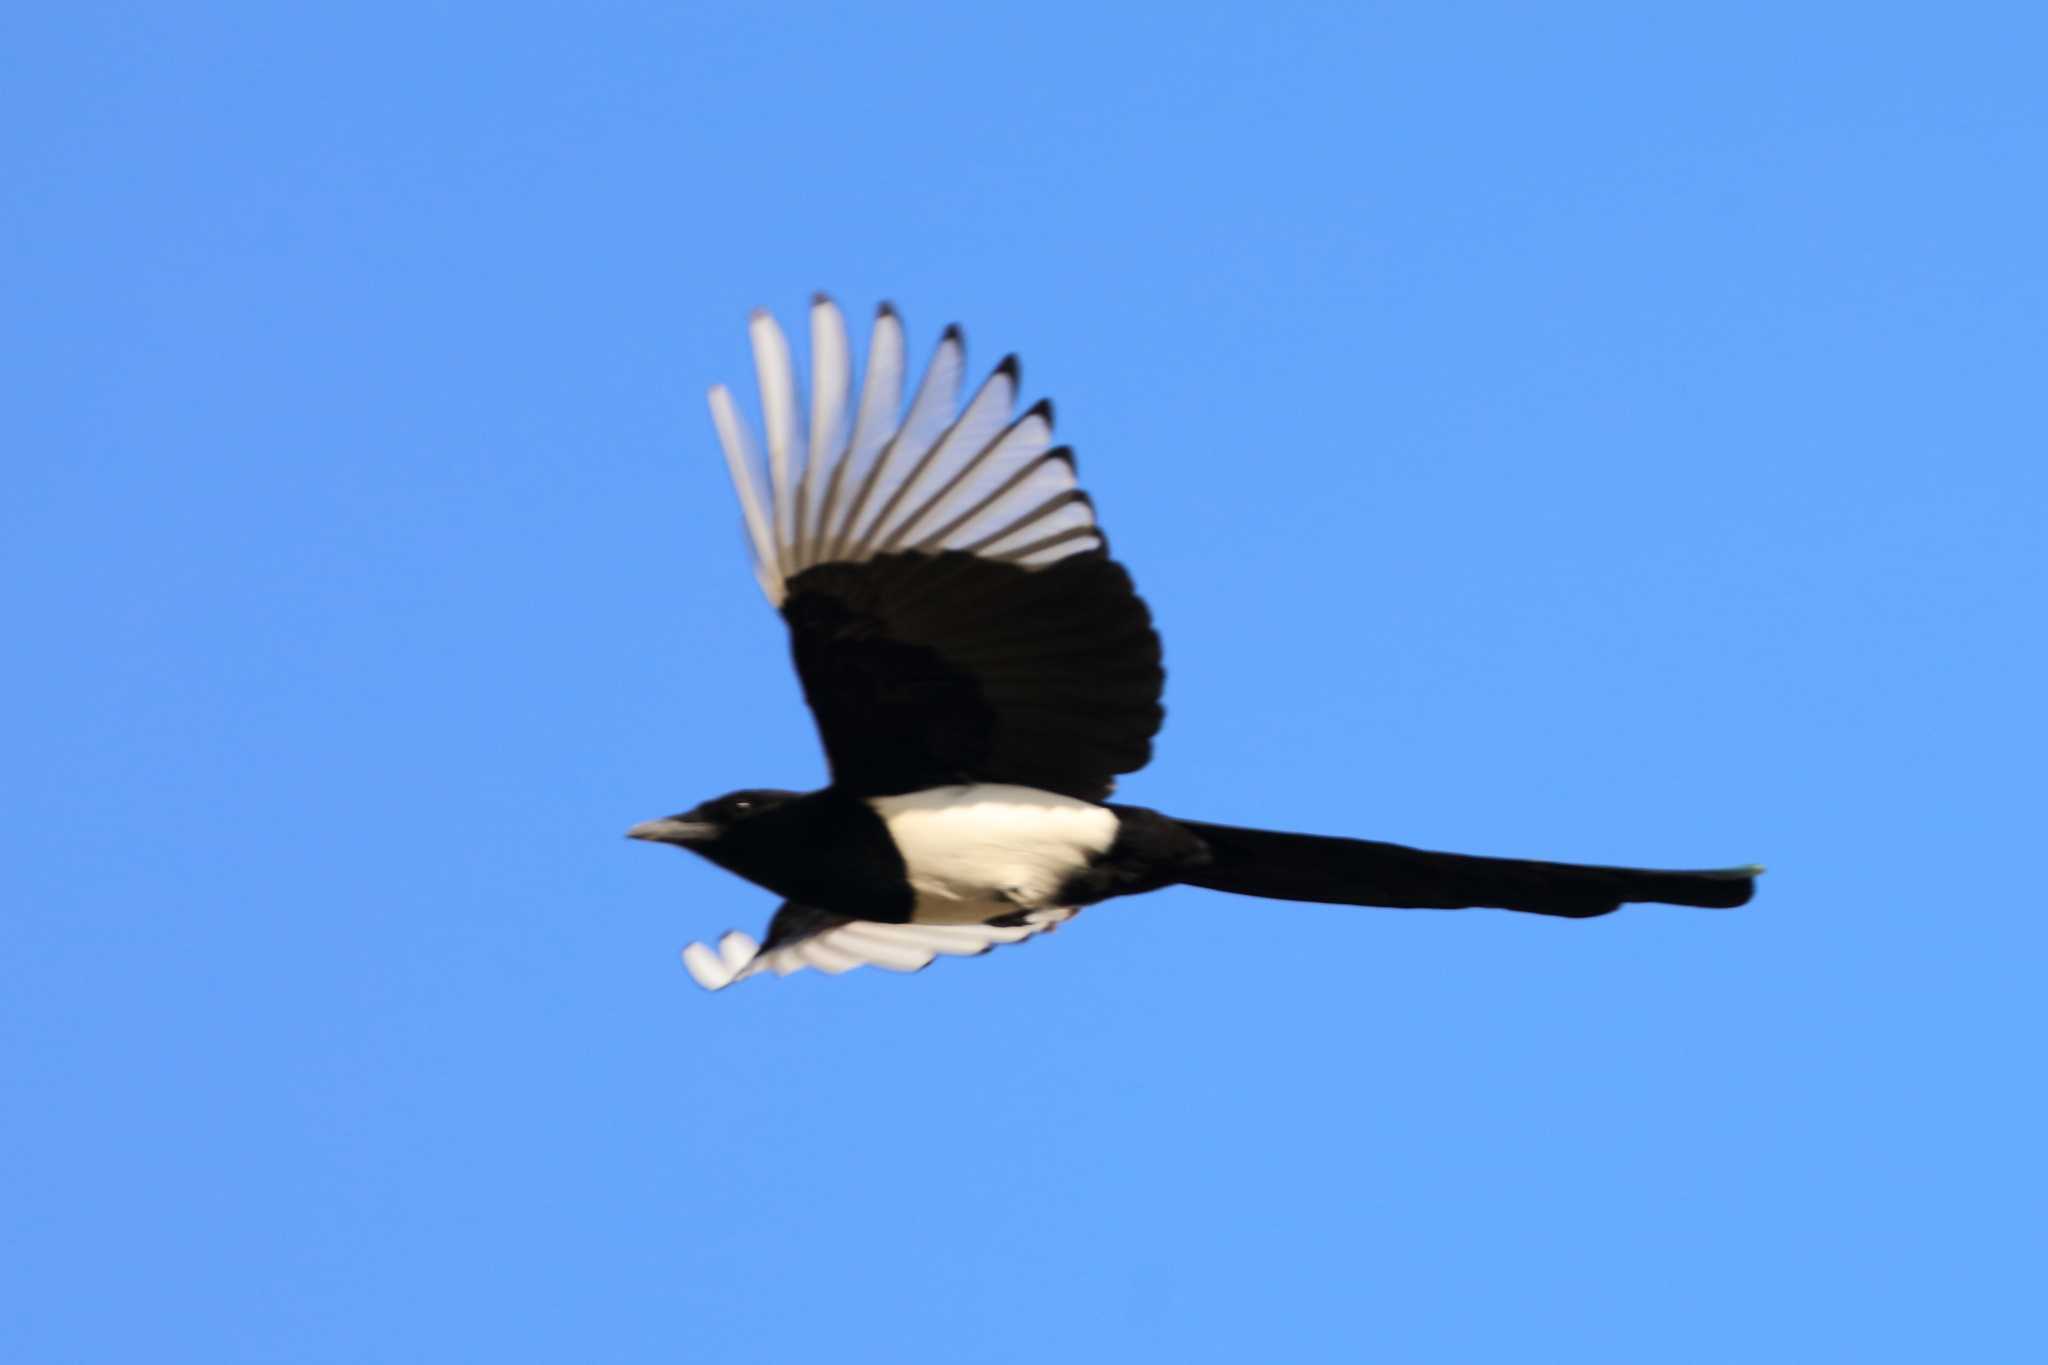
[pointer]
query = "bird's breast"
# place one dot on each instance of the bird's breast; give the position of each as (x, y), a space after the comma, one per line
(973, 853)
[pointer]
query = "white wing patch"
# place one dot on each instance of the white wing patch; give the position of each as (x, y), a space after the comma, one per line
(973, 851)
(861, 943)
(937, 477)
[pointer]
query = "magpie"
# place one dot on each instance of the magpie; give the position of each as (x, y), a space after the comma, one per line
(981, 672)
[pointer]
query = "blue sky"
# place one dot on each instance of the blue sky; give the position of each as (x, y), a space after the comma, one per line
(1609, 433)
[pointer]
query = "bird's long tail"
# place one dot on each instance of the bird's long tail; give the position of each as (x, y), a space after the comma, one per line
(1313, 867)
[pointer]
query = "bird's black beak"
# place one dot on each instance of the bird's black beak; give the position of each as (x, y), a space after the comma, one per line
(673, 830)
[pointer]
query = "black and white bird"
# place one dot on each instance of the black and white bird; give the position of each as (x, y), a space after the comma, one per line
(981, 671)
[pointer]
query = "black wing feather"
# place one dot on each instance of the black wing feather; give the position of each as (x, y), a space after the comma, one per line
(928, 669)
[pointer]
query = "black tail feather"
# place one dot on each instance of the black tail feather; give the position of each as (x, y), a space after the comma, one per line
(1313, 867)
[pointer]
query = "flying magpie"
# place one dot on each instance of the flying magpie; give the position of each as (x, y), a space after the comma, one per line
(981, 671)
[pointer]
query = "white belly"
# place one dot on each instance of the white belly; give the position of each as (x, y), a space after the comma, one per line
(973, 853)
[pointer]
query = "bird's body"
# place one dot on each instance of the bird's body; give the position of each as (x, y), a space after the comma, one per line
(947, 855)
(981, 672)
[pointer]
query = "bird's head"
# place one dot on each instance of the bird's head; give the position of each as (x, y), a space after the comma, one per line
(710, 822)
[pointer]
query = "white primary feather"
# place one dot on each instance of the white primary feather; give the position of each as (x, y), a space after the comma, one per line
(831, 377)
(917, 477)
(881, 395)
(861, 943)
(740, 462)
(931, 409)
(777, 377)
(937, 477)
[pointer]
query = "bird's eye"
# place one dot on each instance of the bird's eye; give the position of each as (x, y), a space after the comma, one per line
(742, 805)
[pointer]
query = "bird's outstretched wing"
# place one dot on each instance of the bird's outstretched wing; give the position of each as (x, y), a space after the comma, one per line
(800, 936)
(953, 610)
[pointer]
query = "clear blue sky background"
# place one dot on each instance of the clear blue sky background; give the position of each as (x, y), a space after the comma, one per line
(1597, 432)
